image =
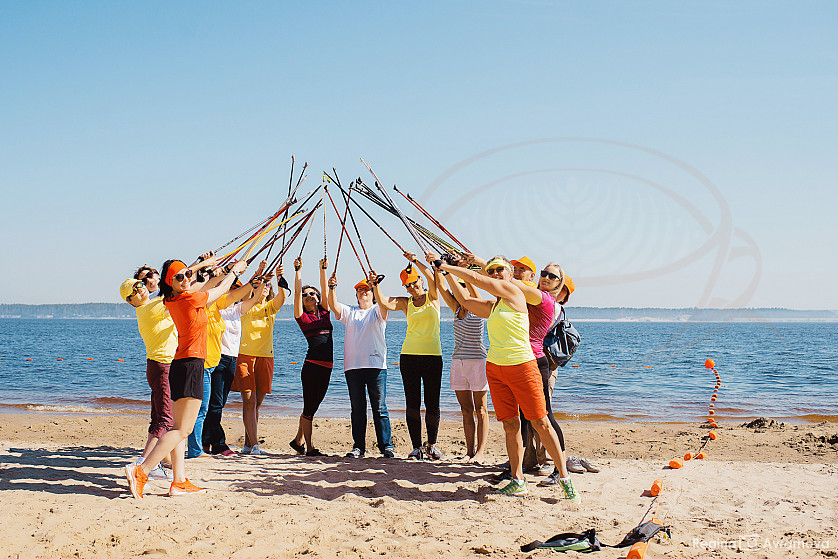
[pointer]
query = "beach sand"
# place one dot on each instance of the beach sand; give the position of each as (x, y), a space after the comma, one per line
(766, 492)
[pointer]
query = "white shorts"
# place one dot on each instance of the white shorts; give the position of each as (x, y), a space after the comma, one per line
(469, 374)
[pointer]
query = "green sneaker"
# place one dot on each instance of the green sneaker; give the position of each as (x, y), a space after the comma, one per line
(570, 492)
(514, 488)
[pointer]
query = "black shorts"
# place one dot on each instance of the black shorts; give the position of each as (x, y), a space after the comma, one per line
(186, 378)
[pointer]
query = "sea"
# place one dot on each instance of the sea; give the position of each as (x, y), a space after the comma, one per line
(622, 371)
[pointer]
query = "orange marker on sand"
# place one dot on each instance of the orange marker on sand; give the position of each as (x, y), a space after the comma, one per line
(712, 435)
(637, 551)
(656, 488)
(675, 463)
(688, 456)
(700, 456)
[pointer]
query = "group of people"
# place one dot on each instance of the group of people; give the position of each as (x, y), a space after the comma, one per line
(206, 333)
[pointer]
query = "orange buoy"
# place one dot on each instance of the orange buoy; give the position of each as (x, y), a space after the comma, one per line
(59, 359)
(574, 365)
(675, 463)
(715, 390)
(648, 366)
(700, 456)
(121, 360)
(29, 359)
(713, 424)
(712, 405)
(688, 456)
(612, 365)
(711, 435)
(395, 363)
(709, 363)
(713, 398)
(295, 362)
(637, 551)
(656, 488)
(90, 359)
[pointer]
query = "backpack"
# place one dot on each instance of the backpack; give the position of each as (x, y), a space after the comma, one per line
(561, 341)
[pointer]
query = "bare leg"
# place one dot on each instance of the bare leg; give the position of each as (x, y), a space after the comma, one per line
(482, 410)
(148, 446)
(514, 446)
(304, 431)
(260, 396)
(249, 417)
(185, 411)
(469, 428)
(551, 442)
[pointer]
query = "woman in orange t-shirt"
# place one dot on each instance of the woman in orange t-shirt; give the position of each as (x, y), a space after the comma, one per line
(187, 306)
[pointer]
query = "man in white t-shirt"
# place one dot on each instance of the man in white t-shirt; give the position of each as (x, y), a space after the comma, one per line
(364, 364)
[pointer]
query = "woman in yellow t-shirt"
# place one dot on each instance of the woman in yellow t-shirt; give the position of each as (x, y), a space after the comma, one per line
(255, 363)
(421, 358)
(514, 379)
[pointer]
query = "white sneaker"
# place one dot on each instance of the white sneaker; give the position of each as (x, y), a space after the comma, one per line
(256, 451)
(161, 473)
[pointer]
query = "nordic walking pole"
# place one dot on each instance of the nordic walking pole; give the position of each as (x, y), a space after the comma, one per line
(359, 206)
(410, 228)
(432, 219)
(355, 226)
(305, 240)
(348, 238)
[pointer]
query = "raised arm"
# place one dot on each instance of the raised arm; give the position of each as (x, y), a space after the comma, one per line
(280, 297)
(386, 303)
(332, 298)
(497, 287)
(532, 294)
(298, 288)
(216, 292)
(324, 289)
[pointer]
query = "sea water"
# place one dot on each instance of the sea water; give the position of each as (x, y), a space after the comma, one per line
(641, 371)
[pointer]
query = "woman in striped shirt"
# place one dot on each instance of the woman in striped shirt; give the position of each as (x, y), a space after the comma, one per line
(468, 366)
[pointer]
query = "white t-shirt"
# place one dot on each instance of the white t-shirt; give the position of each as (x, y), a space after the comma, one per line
(231, 337)
(363, 345)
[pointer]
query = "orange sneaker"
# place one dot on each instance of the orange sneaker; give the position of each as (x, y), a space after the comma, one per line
(136, 480)
(184, 488)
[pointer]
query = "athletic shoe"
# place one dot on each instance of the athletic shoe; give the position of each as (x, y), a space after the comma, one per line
(569, 491)
(314, 452)
(551, 480)
(593, 468)
(136, 480)
(256, 451)
(432, 452)
(514, 488)
(184, 488)
(298, 448)
(415, 454)
(246, 449)
(158, 472)
(387, 453)
(504, 475)
(355, 453)
(574, 465)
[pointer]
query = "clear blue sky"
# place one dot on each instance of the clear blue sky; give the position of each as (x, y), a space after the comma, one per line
(136, 132)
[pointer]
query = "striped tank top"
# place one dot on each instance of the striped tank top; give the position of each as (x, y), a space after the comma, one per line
(509, 336)
(468, 337)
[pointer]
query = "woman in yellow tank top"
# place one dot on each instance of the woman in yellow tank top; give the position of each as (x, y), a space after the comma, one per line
(421, 357)
(514, 379)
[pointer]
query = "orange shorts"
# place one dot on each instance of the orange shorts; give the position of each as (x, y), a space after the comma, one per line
(253, 373)
(516, 386)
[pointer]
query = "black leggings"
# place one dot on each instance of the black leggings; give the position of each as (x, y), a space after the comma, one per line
(315, 384)
(526, 428)
(415, 370)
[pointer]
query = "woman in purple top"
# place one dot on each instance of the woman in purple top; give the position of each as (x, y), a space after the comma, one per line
(312, 315)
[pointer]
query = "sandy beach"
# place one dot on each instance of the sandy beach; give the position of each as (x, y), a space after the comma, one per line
(762, 492)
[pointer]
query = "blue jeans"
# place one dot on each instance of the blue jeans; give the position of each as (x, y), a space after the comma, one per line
(373, 381)
(222, 379)
(193, 443)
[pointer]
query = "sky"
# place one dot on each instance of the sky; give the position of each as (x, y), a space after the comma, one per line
(666, 154)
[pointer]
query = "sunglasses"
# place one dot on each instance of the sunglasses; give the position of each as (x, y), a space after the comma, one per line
(551, 275)
(183, 275)
(492, 271)
(310, 294)
(137, 286)
(148, 275)
(414, 283)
